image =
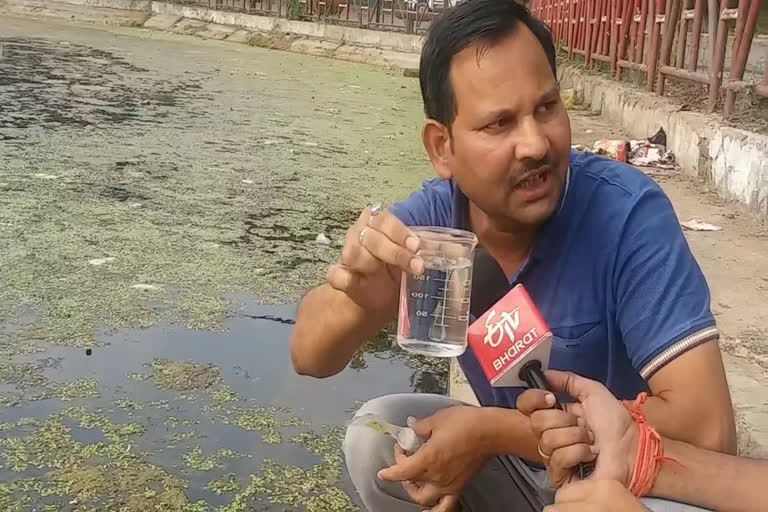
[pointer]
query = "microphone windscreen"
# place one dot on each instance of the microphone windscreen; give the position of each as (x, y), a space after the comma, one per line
(489, 283)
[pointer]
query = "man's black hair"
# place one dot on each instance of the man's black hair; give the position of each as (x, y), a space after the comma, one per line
(486, 22)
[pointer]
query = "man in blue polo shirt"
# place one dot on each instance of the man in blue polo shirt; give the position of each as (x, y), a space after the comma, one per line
(595, 242)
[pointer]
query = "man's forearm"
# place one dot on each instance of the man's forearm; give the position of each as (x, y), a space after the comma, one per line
(715, 432)
(508, 432)
(330, 328)
(691, 402)
(712, 480)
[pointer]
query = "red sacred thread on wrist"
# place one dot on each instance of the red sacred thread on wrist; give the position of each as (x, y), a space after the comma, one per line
(650, 451)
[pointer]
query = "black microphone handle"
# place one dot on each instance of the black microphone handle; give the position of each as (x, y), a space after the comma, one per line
(532, 374)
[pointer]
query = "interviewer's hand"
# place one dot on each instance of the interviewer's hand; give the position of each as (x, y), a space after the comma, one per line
(377, 248)
(595, 496)
(614, 431)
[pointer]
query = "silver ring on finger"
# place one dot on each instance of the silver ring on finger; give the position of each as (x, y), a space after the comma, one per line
(361, 236)
(376, 208)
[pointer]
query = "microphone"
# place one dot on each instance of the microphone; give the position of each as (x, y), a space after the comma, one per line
(510, 339)
(489, 283)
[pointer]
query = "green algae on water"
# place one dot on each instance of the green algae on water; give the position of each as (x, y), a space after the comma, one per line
(127, 405)
(96, 476)
(315, 489)
(184, 375)
(78, 388)
(195, 458)
(224, 394)
(172, 207)
(266, 420)
(180, 437)
(224, 484)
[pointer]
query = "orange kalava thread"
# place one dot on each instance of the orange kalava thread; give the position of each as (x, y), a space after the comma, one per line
(650, 450)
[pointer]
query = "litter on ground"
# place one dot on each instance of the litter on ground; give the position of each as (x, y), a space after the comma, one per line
(699, 225)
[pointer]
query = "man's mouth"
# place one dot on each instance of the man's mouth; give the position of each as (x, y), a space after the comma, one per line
(533, 181)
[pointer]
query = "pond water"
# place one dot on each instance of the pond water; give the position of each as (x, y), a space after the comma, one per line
(160, 201)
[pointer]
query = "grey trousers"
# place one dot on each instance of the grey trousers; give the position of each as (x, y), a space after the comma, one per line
(504, 484)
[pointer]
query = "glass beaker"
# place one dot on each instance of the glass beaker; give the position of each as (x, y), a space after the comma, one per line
(434, 307)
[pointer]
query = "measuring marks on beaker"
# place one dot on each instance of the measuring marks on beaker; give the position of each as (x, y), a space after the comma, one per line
(439, 301)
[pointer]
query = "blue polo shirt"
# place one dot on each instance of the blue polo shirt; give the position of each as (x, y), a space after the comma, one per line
(611, 272)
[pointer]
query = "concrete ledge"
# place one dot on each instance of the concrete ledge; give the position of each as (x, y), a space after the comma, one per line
(75, 9)
(201, 29)
(238, 36)
(739, 166)
(458, 387)
(347, 35)
(162, 21)
(132, 5)
(377, 57)
(734, 161)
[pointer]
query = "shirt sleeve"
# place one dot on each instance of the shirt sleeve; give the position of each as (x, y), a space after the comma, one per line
(429, 206)
(662, 297)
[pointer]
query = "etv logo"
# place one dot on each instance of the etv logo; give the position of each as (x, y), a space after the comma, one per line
(508, 323)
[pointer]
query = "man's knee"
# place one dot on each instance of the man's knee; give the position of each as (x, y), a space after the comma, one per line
(367, 451)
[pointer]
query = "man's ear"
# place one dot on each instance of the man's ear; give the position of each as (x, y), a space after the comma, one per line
(437, 142)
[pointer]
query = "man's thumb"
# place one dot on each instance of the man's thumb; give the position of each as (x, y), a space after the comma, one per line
(423, 428)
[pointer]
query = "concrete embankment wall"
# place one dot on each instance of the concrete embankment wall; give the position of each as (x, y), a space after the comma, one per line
(733, 161)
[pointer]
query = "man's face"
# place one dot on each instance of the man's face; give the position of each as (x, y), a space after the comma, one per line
(510, 141)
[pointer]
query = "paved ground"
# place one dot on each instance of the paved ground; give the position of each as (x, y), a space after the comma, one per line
(158, 193)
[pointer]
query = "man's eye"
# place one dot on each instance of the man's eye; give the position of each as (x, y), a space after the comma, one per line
(497, 125)
(548, 106)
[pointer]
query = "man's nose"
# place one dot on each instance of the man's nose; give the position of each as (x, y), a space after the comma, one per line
(531, 141)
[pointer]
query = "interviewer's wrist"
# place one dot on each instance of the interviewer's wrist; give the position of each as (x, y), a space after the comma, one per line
(628, 445)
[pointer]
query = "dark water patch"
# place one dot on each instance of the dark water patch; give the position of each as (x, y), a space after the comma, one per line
(49, 83)
(272, 318)
(247, 413)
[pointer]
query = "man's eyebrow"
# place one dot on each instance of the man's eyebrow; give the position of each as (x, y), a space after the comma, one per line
(501, 113)
(551, 94)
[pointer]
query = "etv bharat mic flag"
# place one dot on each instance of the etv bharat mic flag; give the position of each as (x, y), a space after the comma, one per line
(511, 333)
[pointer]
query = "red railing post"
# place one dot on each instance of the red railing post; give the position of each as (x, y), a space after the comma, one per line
(626, 20)
(615, 13)
(588, 42)
(670, 21)
(653, 57)
(718, 59)
(739, 60)
(741, 20)
(698, 15)
(682, 34)
(571, 26)
(642, 31)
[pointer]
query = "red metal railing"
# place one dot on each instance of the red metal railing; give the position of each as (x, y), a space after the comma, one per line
(661, 40)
